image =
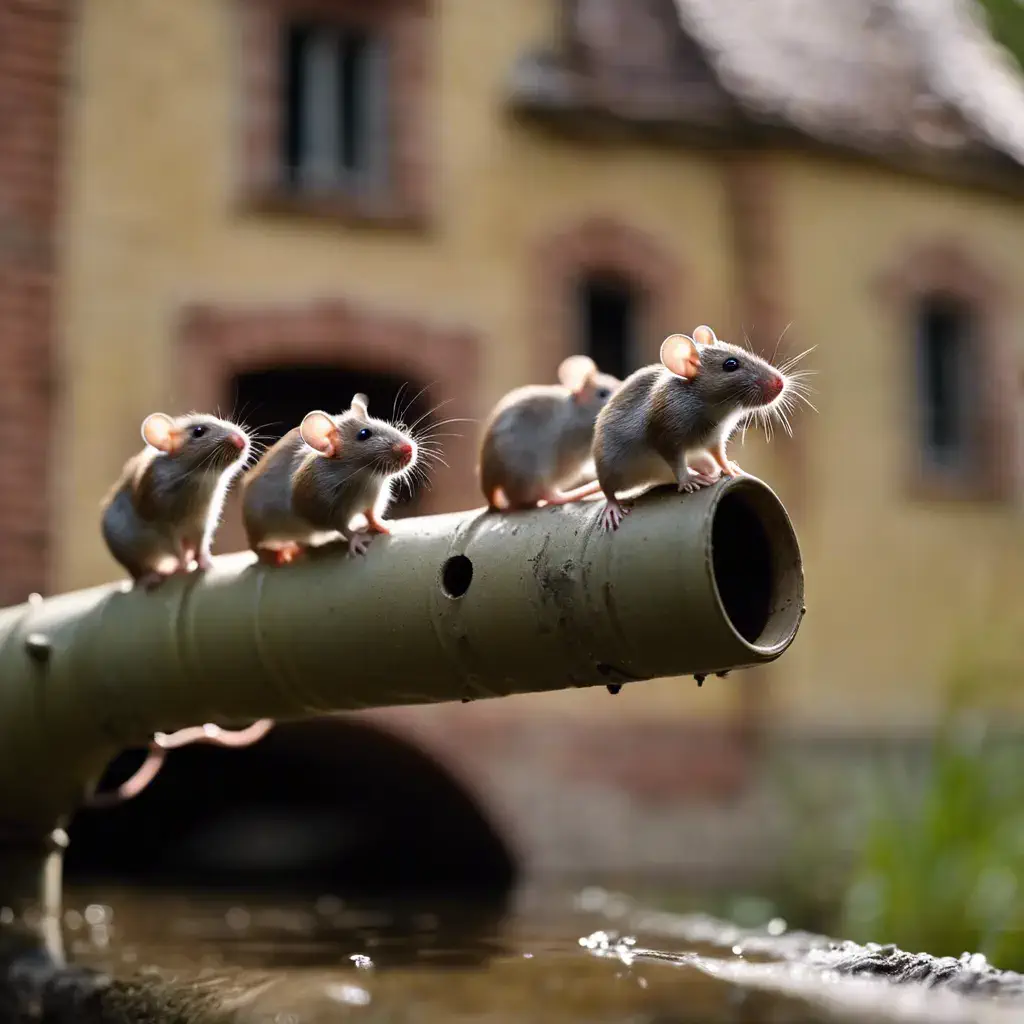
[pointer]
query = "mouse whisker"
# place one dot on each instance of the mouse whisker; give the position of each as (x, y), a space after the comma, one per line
(793, 360)
(428, 449)
(430, 412)
(784, 420)
(398, 397)
(415, 398)
(785, 331)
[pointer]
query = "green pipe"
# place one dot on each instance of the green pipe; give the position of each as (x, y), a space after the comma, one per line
(450, 607)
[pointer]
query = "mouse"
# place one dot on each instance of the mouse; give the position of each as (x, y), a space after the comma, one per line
(164, 509)
(319, 477)
(670, 422)
(537, 439)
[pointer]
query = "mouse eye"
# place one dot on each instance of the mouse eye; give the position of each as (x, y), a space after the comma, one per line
(364, 434)
(731, 364)
(603, 393)
(198, 430)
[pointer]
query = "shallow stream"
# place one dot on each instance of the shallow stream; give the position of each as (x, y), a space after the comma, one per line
(556, 955)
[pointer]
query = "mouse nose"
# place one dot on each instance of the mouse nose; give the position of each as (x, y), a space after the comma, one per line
(238, 441)
(404, 450)
(773, 387)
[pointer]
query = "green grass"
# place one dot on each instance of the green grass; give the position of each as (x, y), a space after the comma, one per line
(930, 857)
(942, 869)
(1006, 22)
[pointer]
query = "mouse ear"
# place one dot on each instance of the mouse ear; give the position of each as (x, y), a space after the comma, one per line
(320, 432)
(679, 355)
(360, 405)
(576, 372)
(158, 432)
(703, 335)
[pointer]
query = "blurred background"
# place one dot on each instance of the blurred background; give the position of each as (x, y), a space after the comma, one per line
(263, 206)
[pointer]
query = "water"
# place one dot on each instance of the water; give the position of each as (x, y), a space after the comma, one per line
(556, 955)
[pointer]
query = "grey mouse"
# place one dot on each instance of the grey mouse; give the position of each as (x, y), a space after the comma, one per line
(538, 438)
(319, 477)
(165, 507)
(670, 422)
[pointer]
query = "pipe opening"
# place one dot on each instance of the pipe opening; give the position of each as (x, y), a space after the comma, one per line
(456, 576)
(756, 566)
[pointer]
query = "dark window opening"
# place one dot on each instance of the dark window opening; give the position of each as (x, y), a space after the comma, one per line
(608, 310)
(275, 400)
(946, 401)
(335, 108)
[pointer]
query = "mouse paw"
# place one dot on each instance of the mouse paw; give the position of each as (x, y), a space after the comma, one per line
(279, 556)
(612, 516)
(694, 481)
(358, 543)
(731, 468)
(703, 464)
(204, 561)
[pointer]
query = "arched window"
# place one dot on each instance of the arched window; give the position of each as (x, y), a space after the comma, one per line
(603, 288)
(608, 310)
(947, 399)
(956, 384)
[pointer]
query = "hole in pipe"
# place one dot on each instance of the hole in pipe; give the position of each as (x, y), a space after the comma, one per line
(756, 564)
(456, 576)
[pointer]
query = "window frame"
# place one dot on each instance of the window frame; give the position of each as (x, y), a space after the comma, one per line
(991, 473)
(599, 245)
(399, 195)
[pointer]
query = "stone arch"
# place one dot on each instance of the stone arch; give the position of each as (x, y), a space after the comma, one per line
(285, 815)
(218, 342)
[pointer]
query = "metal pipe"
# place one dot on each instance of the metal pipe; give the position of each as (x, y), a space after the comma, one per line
(450, 607)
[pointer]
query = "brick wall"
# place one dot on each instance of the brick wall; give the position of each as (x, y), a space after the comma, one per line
(33, 35)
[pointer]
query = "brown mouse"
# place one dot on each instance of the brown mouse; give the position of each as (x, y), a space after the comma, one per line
(670, 422)
(319, 477)
(165, 507)
(537, 439)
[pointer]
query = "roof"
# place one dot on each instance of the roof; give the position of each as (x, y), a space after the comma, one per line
(921, 71)
(922, 81)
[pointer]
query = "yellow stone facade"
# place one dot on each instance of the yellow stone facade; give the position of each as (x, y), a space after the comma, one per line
(152, 224)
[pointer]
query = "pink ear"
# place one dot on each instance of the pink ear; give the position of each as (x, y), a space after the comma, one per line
(679, 355)
(158, 432)
(576, 372)
(703, 335)
(320, 432)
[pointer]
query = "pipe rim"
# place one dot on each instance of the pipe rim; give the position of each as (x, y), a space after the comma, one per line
(764, 610)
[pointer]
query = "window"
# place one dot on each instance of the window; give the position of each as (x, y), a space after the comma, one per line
(335, 101)
(946, 402)
(335, 121)
(607, 309)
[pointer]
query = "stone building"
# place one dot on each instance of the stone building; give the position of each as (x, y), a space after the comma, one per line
(219, 203)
